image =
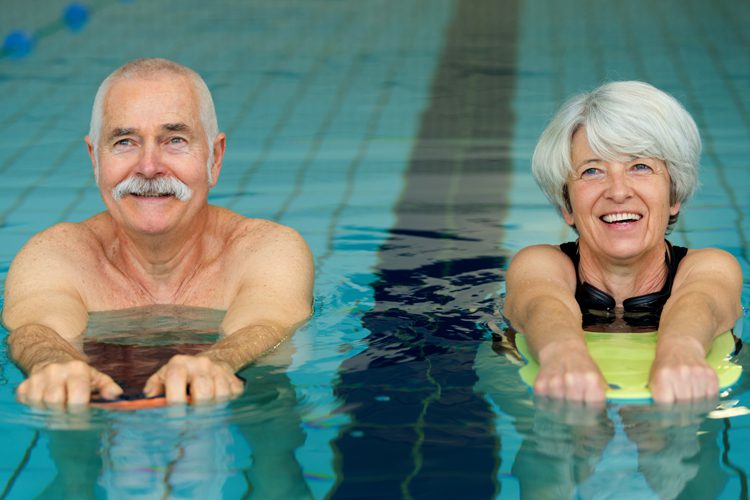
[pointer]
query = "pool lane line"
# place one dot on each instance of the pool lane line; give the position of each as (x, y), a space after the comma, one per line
(303, 86)
(20, 467)
(342, 92)
(416, 336)
(371, 127)
(709, 148)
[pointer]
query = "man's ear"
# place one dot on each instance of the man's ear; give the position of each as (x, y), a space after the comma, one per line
(92, 155)
(219, 147)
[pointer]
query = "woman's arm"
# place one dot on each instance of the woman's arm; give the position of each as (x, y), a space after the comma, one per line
(540, 303)
(705, 302)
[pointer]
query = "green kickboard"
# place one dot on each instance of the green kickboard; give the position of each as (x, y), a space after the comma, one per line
(625, 361)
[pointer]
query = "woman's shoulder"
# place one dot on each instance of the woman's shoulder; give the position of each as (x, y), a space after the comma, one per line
(542, 253)
(710, 256)
(542, 260)
(710, 262)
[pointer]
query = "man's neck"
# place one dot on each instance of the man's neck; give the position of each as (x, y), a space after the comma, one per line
(161, 266)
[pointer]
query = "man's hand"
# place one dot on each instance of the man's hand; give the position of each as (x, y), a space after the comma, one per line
(206, 379)
(680, 373)
(65, 384)
(567, 371)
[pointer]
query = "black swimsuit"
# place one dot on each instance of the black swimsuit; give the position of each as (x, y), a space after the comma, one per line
(644, 311)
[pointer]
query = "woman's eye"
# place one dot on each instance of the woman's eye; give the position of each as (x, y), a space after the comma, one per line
(590, 172)
(641, 168)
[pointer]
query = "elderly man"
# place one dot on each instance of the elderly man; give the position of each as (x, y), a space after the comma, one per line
(156, 151)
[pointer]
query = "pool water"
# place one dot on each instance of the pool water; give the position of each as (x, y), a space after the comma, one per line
(396, 137)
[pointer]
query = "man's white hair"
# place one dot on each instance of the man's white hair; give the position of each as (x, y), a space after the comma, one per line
(150, 68)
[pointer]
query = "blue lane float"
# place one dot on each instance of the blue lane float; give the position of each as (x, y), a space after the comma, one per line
(75, 16)
(18, 44)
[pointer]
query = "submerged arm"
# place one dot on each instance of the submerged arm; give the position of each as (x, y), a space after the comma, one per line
(705, 302)
(44, 313)
(540, 303)
(274, 298)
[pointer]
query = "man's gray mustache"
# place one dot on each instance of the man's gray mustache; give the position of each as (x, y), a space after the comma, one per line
(158, 186)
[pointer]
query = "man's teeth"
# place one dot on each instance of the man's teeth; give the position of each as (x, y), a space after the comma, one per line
(609, 218)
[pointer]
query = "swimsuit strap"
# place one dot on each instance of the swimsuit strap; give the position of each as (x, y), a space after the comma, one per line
(590, 297)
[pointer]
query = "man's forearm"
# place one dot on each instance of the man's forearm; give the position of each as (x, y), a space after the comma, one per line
(34, 346)
(245, 345)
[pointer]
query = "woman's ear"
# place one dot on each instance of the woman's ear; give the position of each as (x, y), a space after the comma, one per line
(568, 216)
(566, 209)
(675, 209)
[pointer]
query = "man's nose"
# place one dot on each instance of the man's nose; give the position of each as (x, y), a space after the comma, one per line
(150, 163)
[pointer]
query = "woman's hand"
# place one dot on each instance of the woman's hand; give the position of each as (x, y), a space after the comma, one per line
(680, 372)
(567, 371)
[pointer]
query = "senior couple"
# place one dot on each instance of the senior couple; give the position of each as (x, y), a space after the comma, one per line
(618, 163)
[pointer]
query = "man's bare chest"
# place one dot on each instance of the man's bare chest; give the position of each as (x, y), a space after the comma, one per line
(111, 288)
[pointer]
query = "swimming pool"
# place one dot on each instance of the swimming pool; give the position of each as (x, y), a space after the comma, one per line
(395, 136)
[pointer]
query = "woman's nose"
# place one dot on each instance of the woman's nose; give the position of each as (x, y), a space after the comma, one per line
(618, 185)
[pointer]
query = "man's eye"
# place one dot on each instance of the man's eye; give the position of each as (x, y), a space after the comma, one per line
(124, 142)
(177, 141)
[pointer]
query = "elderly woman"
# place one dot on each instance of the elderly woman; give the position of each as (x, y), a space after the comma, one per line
(618, 163)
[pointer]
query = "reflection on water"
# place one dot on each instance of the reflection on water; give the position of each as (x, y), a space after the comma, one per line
(646, 450)
(130, 345)
(246, 444)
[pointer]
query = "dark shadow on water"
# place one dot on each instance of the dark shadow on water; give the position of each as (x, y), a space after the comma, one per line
(418, 428)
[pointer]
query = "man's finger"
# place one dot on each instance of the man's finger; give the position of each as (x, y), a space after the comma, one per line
(222, 389)
(202, 388)
(78, 389)
(54, 394)
(176, 384)
(104, 385)
(155, 384)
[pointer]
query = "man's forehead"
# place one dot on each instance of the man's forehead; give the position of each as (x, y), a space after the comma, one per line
(167, 102)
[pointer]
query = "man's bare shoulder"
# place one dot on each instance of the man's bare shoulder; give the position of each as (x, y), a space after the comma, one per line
(47, 275)
(258, 235)
(64, 242)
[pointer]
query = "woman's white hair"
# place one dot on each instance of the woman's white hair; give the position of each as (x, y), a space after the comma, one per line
(150, 68)
(631, 119)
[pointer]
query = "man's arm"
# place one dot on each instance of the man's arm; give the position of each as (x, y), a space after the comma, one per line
(540, 303)
(44, 313)
(274, 298)
(705, 302)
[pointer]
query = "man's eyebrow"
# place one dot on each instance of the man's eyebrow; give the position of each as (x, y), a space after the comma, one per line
(120, 132)
(176, 127)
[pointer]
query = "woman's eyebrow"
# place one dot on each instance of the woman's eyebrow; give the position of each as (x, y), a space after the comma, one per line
(584, 162)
